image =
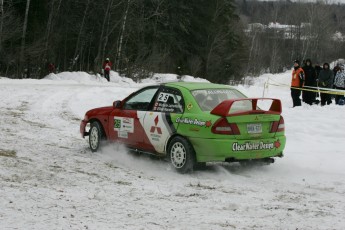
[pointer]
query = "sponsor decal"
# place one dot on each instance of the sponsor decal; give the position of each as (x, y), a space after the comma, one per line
(124, 124)
(122, 134)
(195, 121)
(218, 91)
(164, 107)
(208, 123)
(189, 106)
(255, 146)
(127, 120)
(156, 131)
(155, 128)
(277, 144)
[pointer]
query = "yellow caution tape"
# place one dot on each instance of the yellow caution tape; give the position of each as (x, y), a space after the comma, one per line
(314, 89)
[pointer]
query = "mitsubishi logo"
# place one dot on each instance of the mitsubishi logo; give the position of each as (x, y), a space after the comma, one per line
(154, 128)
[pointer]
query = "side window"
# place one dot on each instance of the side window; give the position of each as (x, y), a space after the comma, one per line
(169, 100)
(141, 100)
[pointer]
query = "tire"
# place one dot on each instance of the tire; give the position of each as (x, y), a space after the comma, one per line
(182, 155)
(95, 136)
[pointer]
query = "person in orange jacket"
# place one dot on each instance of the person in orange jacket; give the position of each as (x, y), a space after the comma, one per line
(106, 68)
(297, 83)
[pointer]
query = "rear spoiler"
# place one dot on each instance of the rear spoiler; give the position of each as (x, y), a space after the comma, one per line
(223, 109)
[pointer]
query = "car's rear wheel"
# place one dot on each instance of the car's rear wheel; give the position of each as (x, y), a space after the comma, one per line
(95, 136)
(182, 155)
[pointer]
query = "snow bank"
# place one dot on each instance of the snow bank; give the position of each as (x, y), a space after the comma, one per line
(86, 78)
(49, 179)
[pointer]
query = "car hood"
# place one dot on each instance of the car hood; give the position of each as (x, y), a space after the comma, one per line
(99, 111)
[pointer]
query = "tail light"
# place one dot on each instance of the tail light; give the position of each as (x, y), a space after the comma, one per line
(278, 126)
(222, 126)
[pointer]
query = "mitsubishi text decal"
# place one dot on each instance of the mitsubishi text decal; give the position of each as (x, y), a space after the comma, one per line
(157, 127)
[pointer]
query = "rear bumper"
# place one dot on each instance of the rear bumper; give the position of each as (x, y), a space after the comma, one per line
(82, 128)
(208, 150)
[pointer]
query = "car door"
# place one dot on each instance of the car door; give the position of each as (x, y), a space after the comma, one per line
(158, 123)
(126, 122)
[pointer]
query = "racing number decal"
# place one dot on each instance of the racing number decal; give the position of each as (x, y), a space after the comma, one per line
(163, 97)
(117, 123)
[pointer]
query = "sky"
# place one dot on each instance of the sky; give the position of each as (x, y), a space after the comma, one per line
(49, 178)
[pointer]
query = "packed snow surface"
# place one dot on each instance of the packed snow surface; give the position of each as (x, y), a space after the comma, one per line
(49, 179)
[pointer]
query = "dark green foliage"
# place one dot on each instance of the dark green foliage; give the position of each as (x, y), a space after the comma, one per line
(197, 37)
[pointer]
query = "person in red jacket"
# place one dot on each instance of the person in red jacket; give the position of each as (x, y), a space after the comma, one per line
(51, 68)
(297, 83)
(106, 68)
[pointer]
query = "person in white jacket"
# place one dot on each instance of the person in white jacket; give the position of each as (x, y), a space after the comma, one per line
(339, 83)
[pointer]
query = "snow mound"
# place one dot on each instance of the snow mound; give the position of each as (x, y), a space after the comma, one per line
(83, 77)
(115, 77)
(166, 77)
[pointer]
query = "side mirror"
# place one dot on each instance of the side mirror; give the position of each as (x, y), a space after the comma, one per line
(117, 104)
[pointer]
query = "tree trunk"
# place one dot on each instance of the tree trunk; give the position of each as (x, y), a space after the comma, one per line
(2, 22)
(118, 55)
(106, 38)
(49, 23)
(80, 32)
(22, 49)
(97, 60)
(49, 27)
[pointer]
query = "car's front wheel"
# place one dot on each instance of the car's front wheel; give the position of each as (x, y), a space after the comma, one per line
(95, 136)
(182, 155)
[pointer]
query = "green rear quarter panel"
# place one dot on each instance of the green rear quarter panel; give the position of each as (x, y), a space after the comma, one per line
(196, 125)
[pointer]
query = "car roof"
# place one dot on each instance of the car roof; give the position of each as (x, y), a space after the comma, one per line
(197, 85)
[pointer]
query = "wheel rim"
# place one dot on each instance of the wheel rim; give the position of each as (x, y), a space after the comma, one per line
(178, 155)
(94, 138)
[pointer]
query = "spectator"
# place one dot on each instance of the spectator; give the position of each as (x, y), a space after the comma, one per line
(310, 80)
(336, 69)
(326, 81)
(297, 83)
(339, 83)
(318, 68)
(106, 68)
(51, 68)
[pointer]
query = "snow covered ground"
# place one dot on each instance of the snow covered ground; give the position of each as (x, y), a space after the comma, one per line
(49, 179)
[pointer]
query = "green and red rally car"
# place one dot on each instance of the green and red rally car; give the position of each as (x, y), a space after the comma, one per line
(191, 123)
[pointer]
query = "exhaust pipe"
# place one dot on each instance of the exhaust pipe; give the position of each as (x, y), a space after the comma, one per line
(268, 160)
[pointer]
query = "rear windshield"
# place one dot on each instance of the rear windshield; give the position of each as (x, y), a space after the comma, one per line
(208, 99)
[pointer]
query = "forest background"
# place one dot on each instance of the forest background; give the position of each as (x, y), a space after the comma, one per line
(219, 40)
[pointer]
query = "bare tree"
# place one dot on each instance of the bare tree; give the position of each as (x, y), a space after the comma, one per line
(77, 48)
(2, 22)
(54, 10)
(98, 58)
(118, 55)
(22, 49)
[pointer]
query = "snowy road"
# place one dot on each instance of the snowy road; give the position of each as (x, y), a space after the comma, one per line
(49, 179)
